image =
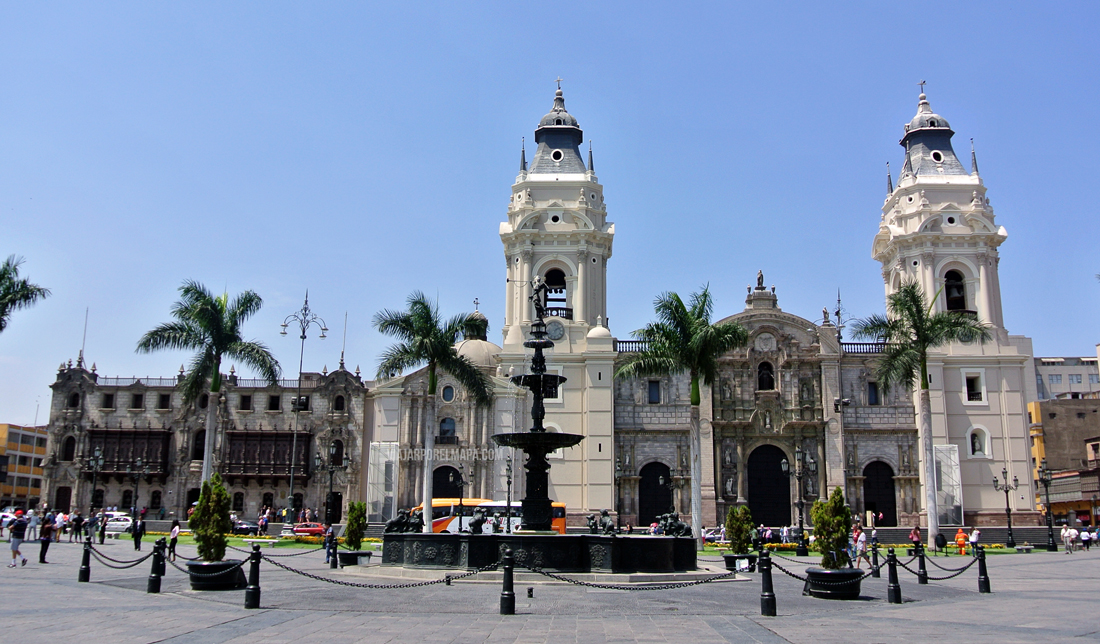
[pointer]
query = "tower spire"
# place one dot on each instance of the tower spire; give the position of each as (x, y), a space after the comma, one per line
(973, 158)
(889, 181)
(906, 169)
(523, 154)
(591, 166)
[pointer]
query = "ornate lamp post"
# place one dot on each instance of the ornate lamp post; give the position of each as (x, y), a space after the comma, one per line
(1045, 478)
(332, 513)
(96, 462)
(1092, 509)
(1007, 489)
(618, 492)
(803, 464)
(136, 475)
(508, 478)
(675, 482)
(305, 319)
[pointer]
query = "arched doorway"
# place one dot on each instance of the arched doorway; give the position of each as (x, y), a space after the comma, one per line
(654, 499)
(445, 483)
(878, 493)
(63, 499)
(769, 487)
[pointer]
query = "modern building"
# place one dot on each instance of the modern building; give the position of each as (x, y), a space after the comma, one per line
(1066, 433)
(23, 448)
(1066, 377)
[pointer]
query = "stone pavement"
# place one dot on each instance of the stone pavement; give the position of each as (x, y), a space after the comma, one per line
(1038, 597)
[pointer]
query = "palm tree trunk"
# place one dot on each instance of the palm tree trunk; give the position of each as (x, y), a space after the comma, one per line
(931, 504)
(211, 430)
(696, 478)
(429, 460)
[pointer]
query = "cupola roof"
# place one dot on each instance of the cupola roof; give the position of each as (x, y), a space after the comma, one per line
(927, 144)
(559, 138)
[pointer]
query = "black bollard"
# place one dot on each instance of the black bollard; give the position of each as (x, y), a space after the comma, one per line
(875, 572)
(530, 592)
(85, 573)
(153, 586)
(922, 571)
(893, 589)
(333, 557)
(252, 590)
(447, 580)
(983, 574)
(507, 593)
(162, 543)
(767, 593)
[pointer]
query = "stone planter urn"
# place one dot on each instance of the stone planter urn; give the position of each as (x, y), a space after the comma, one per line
(351, 557)
(821, 582)
(733, 562)
(205, 575)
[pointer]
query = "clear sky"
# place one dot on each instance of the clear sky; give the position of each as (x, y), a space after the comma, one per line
(364, 152)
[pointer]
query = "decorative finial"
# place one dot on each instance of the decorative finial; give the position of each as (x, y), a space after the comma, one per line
(522, 154)
(559, 80)
(357, 370)
(922, 83)
(324, 370)
(232, 369)
(889, 180)
(342, 360)
(973, 158)
(591, 166)
(93, 367)
(181, 370)
(907, 169)
(476, 303)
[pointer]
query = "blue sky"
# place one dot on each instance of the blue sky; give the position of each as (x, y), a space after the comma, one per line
(365, 151)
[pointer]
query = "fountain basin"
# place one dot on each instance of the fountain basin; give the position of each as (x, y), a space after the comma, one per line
(544, 442)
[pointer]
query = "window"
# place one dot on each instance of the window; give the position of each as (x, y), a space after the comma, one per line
(97, 499)
(40, 442)
(107, 402)
(765, 379)
(447, 432)
(338, 404)
(238, 501)
(24, 461)
(299, 404)
(955, 290)
(872, 394)
(1094, 378)
(137, 401)
(273, 403)
(74, 400)
(155, 500)
(127, 499)
(68, 449)
(555, 283)
(198, 447)
(448, 393)
(269, 499)
(1055, 378)
(36, 484)
(337, 455)
(204, 400)
(654, 392)
(973, 389)
(246, 402)
(164, 401)
(1074, 378)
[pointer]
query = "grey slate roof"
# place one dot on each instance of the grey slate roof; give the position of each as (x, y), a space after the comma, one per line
(558, 135)
(925, 136)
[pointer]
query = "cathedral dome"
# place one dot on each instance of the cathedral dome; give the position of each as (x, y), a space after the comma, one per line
(557, 116)
(480, 352)
(926, 118)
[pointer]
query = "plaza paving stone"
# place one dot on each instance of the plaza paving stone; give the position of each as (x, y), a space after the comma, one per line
(1040, 597)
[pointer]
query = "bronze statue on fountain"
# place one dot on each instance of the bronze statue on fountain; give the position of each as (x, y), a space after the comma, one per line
(537, 442)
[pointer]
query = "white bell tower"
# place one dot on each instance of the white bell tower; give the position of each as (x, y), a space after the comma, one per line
(557, 231)
(938, 228)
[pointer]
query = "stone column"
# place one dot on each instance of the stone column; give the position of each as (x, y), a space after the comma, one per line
(510, 290)
(580, 310)
(982, 296)
(742, 465)
(525, 292)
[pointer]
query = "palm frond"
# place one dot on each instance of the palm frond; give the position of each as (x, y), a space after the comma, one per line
(398, 358)
(198, 376)
(242, 307)
(257, 356)
(16, 293)
(474, 380)
(172, 335)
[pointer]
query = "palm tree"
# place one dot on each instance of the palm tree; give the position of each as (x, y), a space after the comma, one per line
(910, 330)
(211, 326)
(16, 293)
(683, 339)
(425, 338)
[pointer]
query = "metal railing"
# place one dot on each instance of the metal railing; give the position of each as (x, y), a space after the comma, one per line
(126, 382)
(562, 312)
(863, 347)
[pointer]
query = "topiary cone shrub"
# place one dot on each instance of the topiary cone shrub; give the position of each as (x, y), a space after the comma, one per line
(357, 523)
(739, 529)
(210, 521)
(832, 522)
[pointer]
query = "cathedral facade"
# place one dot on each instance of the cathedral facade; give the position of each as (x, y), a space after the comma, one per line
(795, 413)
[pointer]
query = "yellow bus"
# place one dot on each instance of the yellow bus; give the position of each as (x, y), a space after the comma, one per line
(453, 514)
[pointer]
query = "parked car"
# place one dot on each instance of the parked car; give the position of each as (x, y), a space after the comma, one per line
(119, 524)
(313, 529)
(246, 527)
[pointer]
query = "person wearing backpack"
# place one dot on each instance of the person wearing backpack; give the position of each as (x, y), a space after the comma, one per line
(17, 529)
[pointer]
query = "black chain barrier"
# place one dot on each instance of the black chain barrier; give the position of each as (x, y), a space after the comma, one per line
(220, 573)
(339, 582)
(589, 584)
(805, 563)
(130, 564)
(119, 561)
(958, 572)
(292, 554)
(950, 569)
(824, 583)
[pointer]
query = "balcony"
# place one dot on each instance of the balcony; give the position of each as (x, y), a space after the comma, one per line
(863, 347)
(562, 312)
(630, 346)
(446, 440)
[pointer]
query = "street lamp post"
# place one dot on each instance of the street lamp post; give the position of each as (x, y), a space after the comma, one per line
(803, 464)
(136, 475)
(1045, 478)
(618, 493)
(460, 481)
(332, 514)
(305, 319)
(1007, 489)
(97, 464)
(675, 481)
(508, 478)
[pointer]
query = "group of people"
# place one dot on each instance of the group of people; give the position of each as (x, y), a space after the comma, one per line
(46, 529)
(1074, 539)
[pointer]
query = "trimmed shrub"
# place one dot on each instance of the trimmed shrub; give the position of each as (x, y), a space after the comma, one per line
(210, 521)
(832, 523)
(739, 529)
(357, 523)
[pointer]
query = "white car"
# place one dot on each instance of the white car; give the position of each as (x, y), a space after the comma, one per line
(119, 524)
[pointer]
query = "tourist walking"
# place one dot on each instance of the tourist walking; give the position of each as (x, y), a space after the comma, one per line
(1068, 539)
(975, 535)
(1085, 537)
(139, 532)
(17, 529)
(860, 539)
(173, 536)
(32, 524)
(77, 528)
(44, 541)
(329, 538)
